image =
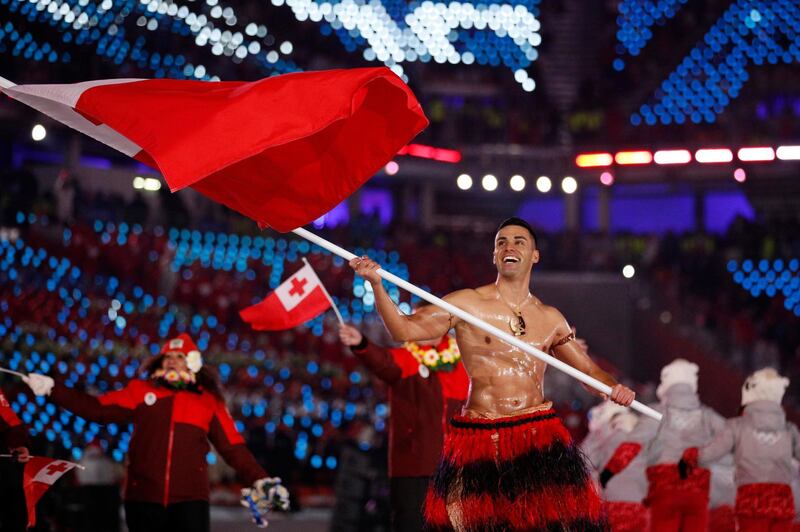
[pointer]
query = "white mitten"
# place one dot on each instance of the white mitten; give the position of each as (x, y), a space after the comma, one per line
(39, 384)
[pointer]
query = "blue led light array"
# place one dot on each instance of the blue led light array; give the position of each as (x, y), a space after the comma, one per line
(750, 33)
(231, 252)
(24, 45)
(634, 21)
(44, 279)
(770, 278)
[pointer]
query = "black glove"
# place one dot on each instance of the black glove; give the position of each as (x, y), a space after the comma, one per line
(605, 476)
(683, 469)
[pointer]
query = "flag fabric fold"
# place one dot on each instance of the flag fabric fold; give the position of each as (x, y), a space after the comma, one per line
(39, 474)
(282, 150)
(298, 299)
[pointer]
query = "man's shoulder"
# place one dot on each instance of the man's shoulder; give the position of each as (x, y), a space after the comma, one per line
(548, 311)
(470, 294)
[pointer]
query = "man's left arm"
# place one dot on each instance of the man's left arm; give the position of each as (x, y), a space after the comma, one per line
(566, 349)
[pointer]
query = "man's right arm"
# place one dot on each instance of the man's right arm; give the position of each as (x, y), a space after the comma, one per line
(426, 323)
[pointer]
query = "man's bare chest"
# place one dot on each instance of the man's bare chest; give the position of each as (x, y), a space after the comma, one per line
(529, 324)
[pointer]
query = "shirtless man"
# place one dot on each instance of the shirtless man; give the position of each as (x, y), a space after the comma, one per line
(507, 461)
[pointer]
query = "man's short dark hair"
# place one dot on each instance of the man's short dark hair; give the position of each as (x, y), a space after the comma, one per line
(521, 223)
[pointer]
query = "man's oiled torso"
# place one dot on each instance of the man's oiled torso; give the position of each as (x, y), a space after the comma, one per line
(504, 380)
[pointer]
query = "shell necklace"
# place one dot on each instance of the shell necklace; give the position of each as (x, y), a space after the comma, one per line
(517, 323)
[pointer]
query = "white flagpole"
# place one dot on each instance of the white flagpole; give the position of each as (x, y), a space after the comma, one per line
(11, 372)
(469, 318)
(325, 291)
(6, 84)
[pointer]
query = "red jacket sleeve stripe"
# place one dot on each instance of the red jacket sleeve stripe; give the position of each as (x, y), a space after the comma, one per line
(623, 455)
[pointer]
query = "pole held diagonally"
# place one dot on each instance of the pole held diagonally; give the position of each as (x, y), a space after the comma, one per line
(6, 84)
(469, 318)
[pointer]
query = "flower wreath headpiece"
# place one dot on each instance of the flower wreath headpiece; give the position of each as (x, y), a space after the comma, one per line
(440, 357)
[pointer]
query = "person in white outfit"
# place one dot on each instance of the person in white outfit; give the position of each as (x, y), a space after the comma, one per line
(763, 444)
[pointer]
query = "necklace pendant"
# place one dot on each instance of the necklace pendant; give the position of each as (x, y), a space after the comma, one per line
(517, 325)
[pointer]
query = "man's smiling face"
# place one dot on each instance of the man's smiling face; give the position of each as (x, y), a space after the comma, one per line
(515, 251)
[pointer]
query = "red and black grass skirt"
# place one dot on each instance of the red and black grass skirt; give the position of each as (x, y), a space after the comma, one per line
(513, 473)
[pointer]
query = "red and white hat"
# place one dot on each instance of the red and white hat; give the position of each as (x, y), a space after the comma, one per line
(184, 344)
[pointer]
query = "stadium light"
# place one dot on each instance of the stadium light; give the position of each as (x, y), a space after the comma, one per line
(756, 154)
(146, 183)
(628, 271)
(569, 185)
(464, 182)
(633, 157)
(788, 153)
(392, 168)
(591, 160)
(672, 157)
(431, 152)
(714, 155)
(544, 184)
(38, 133)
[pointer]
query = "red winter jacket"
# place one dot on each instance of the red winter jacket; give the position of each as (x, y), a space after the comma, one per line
(171, 430)
(12, 431)
(419, 410)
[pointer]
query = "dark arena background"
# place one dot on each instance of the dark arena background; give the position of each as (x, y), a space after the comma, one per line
(654, 146)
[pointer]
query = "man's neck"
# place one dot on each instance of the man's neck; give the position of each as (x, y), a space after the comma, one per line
(514, 289)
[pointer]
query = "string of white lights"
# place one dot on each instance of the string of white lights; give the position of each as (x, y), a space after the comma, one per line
(222, 41)
(225, 42)
(429, 30)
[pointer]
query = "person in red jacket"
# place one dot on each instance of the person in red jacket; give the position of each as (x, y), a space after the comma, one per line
(13, 441)
(427, 386)
(175, 412)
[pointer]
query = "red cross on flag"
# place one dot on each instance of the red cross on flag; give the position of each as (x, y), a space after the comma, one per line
(282, 150)
(41, 473)
(298, 299)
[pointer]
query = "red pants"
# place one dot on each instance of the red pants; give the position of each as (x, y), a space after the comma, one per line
(764, 507)
(721, 519)
(626, 516)
(763, 524)
(678, 513)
